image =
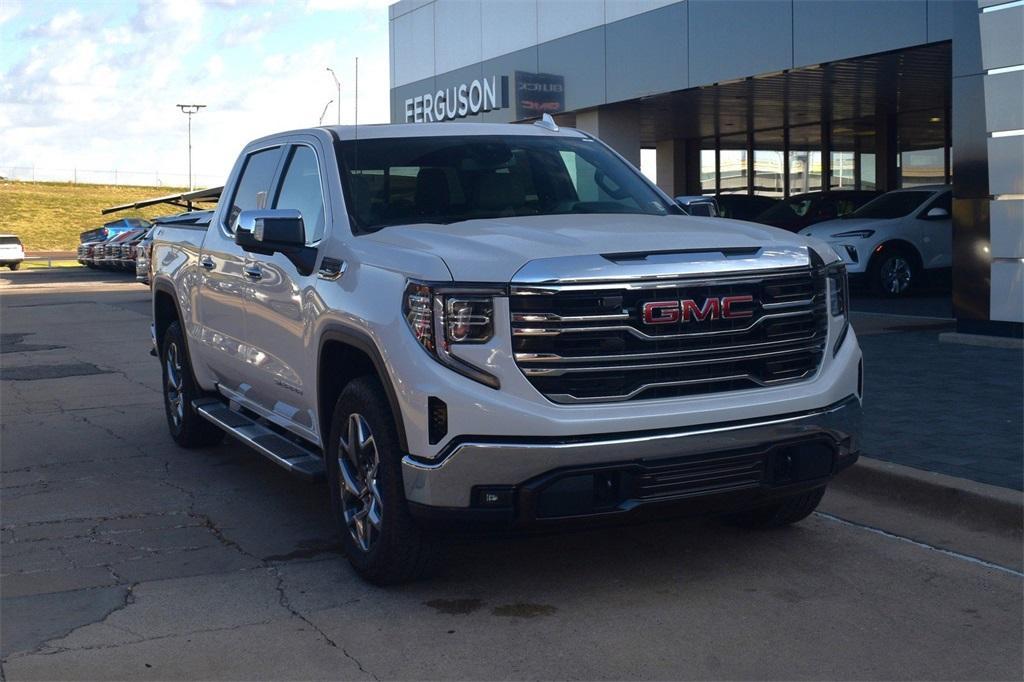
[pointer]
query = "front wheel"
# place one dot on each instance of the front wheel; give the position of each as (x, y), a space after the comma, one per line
(893, 274)
(783, 513)
(14, 266)
(188, 429)
(380, 537)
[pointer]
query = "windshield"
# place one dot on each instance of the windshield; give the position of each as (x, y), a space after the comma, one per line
(788, 210)
(454, 178)
(891, 205)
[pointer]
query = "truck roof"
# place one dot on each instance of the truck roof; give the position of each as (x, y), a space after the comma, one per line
(376, 131)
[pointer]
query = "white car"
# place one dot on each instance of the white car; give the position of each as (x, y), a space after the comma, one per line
(891, 240)
(12, 253)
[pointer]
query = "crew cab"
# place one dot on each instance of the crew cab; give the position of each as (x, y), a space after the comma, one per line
(501, 327)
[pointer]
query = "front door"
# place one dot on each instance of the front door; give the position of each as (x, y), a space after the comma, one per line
(936, 233)
(279, 314)
(222, 346)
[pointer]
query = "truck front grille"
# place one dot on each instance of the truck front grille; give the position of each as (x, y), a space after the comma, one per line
(590, 343)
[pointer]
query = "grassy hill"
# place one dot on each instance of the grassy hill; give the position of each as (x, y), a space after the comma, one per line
(48, 216)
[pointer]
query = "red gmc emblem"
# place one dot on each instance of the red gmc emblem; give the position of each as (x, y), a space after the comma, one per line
(687, 310)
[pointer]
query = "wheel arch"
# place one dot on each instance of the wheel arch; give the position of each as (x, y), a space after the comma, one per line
(165, 310)
(891, 245)
(344, 354)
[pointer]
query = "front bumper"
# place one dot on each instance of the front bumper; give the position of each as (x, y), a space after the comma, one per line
(738, 461)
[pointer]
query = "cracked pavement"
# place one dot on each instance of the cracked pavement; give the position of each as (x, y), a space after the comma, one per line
(125, 557)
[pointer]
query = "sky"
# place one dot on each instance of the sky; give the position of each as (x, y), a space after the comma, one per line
(94, 85)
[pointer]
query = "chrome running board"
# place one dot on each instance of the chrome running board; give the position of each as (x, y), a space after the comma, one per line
(295, 458)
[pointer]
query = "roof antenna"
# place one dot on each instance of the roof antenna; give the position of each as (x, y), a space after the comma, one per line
(547, 123)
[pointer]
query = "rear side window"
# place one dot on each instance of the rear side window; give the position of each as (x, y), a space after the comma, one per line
(301, 189)
(254, 184)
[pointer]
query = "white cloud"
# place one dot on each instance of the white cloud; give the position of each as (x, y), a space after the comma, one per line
(104, 95)
(346, 5)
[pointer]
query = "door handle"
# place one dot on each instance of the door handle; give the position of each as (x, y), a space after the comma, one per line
(206, 263)
(253, 271)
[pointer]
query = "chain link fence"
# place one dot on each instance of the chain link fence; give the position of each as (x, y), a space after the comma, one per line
(89, 176)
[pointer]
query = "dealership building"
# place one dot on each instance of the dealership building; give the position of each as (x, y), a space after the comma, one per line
(767, 97)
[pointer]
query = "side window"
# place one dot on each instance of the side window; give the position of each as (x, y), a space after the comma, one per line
(253, 184)
(301, 189)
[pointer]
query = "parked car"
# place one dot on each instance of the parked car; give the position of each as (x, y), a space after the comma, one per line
(522, 331)
(12, 253)
(86, 253)
(891, 241)
(801, 210)
(743, 206)
(127, 251)
(111, 249)
(198, 220)
(698, 205)
(113, 228)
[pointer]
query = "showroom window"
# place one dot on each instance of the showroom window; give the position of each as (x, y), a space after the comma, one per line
(732, 164)
(769, 163)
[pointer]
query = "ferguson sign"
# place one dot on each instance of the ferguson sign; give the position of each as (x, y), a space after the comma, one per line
(466, 99)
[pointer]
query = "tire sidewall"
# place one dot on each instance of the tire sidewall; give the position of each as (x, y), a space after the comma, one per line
(366, 397)
(879, 267)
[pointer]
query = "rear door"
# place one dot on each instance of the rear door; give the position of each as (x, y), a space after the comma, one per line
(223, 347)
(280, 310)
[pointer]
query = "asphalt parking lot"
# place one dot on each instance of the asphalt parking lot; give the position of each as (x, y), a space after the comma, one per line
(126, 557)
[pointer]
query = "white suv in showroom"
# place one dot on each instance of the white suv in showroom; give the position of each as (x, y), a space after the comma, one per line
(890, 241)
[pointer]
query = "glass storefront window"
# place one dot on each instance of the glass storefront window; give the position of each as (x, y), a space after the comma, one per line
(922, 144)
(733, 164)
(707, 168)
(804, 159)
(843, 171)
(769, 163)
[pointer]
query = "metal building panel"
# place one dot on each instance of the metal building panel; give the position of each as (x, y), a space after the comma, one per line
(413, 43)
(508, 26)
(825, 31)
(557, 18)
(731, 39)
(634, 44)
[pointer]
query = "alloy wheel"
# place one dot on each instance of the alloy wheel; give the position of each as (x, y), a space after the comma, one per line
(896, 275)
(358, 464)
(174, 387)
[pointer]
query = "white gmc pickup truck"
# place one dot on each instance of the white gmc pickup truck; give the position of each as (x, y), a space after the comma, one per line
(501, 326)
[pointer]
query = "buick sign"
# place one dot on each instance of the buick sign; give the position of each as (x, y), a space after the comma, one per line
(459, 101)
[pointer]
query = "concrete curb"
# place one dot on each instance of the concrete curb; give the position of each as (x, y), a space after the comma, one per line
(979, 340)
(975, 504)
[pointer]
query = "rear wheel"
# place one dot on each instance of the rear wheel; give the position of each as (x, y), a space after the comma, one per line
(14, 266)
(782, 513)
(893, 273)
(382, 542)
(188, 429)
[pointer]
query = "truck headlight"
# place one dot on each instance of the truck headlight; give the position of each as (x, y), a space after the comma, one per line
(443, 315)
(839, 299)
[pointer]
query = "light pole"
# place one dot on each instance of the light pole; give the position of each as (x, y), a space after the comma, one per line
(337, 83)
(190, 109)
(324, 113)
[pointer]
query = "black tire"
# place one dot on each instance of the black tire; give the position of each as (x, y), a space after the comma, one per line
(893, 273)
(14, 266)
(187, 428)
(783, 513)
(396, 549)
(91, 266)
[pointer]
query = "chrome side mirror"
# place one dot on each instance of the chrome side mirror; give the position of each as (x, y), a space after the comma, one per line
(279, 230)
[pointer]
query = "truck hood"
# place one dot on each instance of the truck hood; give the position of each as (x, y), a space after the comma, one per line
(493, 250)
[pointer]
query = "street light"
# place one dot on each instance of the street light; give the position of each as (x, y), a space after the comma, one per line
(190, 109)
(337, 83)
(324, 113)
